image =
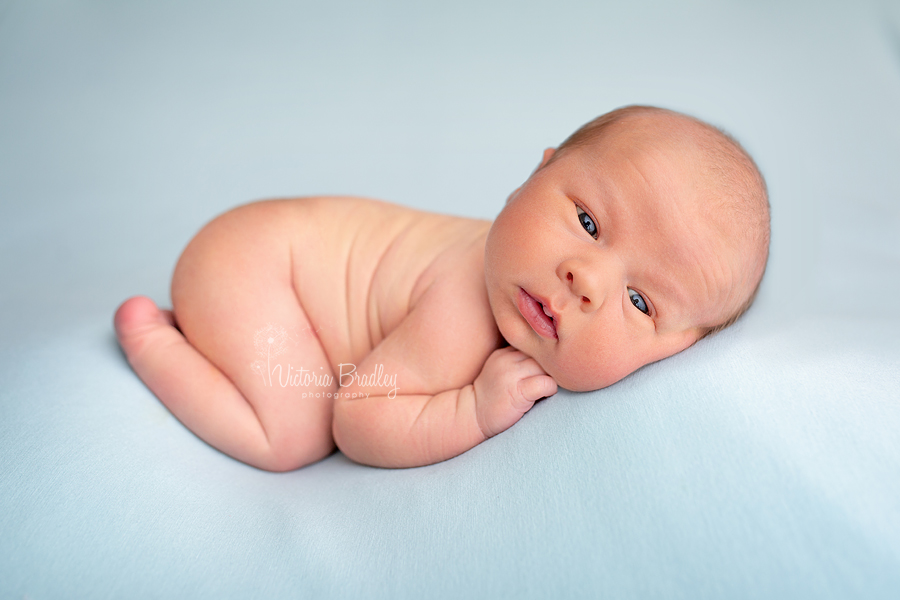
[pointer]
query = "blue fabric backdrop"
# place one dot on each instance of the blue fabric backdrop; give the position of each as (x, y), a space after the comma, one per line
(762, 463)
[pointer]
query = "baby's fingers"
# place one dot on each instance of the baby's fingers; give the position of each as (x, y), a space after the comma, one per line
(537, 387)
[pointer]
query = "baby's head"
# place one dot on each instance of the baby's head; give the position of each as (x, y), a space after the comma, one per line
(645, 231)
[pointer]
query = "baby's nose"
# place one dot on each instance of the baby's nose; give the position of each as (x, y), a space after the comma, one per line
(570, 277)
(588, 281)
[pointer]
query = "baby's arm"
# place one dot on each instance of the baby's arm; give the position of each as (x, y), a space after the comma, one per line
(436, 413)
(419, 429)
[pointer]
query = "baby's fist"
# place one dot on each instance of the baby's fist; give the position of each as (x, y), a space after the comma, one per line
(507, 387)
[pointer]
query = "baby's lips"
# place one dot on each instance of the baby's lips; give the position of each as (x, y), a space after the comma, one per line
(533, 311)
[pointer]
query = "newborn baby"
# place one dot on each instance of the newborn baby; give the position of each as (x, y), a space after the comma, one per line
(406, 338)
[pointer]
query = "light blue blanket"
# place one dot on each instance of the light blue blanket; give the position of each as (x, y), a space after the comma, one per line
(762, 463)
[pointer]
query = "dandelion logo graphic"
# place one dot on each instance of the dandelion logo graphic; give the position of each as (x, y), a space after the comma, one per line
(269, 341)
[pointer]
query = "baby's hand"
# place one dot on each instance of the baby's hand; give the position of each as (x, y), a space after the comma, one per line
(507, 387)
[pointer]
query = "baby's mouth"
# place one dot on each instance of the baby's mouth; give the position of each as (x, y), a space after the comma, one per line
(537, 315)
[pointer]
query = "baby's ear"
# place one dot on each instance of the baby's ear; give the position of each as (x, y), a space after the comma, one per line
(548, 154)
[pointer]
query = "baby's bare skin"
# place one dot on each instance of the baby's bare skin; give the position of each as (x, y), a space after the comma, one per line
(360, 287)
(308, 323)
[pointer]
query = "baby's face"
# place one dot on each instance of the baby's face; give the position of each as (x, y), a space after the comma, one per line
(612, 241)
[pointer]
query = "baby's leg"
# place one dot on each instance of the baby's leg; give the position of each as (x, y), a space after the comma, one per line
(242, 330)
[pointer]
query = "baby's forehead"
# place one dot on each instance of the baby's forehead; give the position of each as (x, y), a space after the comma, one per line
(690, 164)
(710, 157)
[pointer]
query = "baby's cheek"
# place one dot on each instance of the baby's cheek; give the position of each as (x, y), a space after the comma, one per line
(589, 373)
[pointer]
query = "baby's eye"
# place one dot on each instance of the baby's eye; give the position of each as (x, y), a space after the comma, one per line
(587, 222)
(638, 301)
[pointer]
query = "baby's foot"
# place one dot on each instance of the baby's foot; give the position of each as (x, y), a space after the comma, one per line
(202, 397)
(140, 323)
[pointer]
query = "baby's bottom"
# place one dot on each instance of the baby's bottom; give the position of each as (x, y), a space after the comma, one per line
(232, 281)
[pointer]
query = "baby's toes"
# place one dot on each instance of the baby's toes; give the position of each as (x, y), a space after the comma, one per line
(138, 322)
